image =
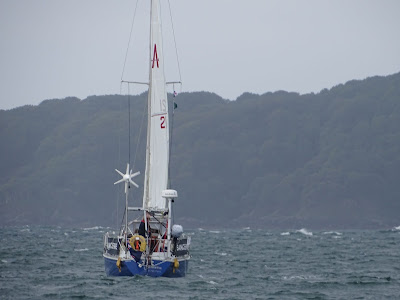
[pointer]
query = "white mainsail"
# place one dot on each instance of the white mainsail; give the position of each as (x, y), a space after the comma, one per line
(157, 151)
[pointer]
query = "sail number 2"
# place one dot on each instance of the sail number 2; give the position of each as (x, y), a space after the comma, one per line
(162, 119)
(163, 108)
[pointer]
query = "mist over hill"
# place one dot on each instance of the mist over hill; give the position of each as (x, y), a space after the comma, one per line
(277, 160)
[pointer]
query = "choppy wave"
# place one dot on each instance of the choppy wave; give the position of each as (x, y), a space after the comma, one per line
(305, 232)
(223, 266)
(301, 277)
(332, 232)
(93, 228)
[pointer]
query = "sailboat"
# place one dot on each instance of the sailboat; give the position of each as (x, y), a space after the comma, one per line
(148, 244)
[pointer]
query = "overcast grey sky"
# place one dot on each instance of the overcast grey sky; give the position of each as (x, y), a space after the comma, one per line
(54, 49)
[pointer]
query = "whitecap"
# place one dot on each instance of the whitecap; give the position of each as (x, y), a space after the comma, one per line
(4, 261)
(92, 228)
(66, 234)
(305, 232)
(396, 228)
(285, 233)
(211, 282)
(215, 231)
(221, 253)
(80, 250)
(25, 230)
(332, 232)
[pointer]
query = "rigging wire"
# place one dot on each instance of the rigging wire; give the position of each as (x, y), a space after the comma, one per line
(140, 133)
(176, 49)
(122, 222)
(129, 41)
(119, 156)
(173, 87)
(170, 145)
(129, 129)
(120, 90)
(129, 140)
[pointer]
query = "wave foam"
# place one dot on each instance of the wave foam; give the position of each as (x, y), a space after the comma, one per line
(93, 228)
(332, 232)
(305, 232)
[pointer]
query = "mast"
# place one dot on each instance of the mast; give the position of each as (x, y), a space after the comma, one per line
(157, 149)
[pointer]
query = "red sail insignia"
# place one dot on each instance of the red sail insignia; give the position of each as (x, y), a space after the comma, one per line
(155, 57)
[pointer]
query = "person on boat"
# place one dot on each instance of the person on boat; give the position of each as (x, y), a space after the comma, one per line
(142, 227)
(147, 233)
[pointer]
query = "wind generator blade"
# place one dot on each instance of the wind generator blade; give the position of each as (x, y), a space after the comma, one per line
(119, 173)
(133, 183)
(119, 181)
(135, 174)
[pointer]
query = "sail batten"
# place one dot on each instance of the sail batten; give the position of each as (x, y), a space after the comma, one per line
(157, 151)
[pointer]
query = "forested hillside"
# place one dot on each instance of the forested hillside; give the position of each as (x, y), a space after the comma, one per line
(279, 159)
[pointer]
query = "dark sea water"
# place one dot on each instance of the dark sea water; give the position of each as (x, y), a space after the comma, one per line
(65, 263)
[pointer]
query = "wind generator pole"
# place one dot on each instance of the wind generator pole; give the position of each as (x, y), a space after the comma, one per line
(126, 215)
(127, 179)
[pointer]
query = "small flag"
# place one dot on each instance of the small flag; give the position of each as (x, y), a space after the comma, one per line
(175, 93)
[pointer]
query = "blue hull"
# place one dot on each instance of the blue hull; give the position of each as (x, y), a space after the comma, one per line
(112, 269)
(159, 268)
